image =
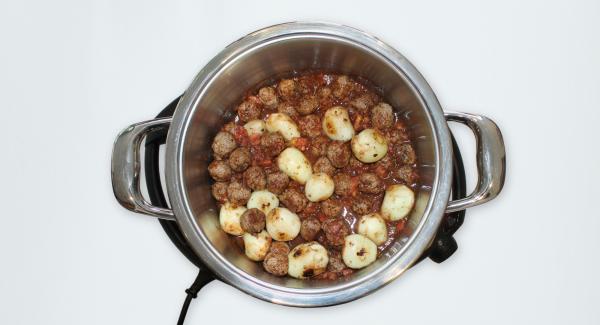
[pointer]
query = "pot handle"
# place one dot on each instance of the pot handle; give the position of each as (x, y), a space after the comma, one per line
(491, 160)
(125, 168)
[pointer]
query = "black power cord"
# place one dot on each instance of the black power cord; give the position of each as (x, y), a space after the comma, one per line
(202, 279)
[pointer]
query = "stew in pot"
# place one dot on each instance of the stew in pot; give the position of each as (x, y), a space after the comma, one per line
(315, 176)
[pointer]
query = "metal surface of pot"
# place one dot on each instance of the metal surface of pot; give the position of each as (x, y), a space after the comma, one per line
(264, 56)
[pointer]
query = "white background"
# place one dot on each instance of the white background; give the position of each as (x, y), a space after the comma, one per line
(74, 73)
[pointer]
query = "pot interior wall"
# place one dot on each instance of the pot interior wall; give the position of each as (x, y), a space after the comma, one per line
(279, 58)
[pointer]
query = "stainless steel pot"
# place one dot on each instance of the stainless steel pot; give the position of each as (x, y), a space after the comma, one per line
(275, 52)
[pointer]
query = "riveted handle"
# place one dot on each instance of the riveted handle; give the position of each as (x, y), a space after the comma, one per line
(125, 168)
(491, 160)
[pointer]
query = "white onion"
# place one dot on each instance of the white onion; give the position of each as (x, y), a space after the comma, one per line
(369, 146)
(293, 163)
(319, 187)
(307, 260)
(229, 218)
(397, 202)
(282, 123)
(337, 125)
(359, 251)
(283, 224)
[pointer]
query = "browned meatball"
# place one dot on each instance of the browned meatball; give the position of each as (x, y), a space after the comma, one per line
(331, 208)
(335, 230)
(277, 182)
(382, 116)
(308, 105)
(253, 220)
(343, 184)
(370, 183)
(318, 146)
(361, 205)
(219, 191)
(249, 109)
(255, 178)
(237, 193)
(342, 87)
(279, 247)
(223, 144)
(273, 143)
(293, 200)
(323, 165)
(355, 163)
(310, 125)
(239, 159)
(324, 96)
(405, 153)
(268, 97)
(362, 103)
(288, 109)
(396, 135)
(288, 89)
(219, 170)
(310, 228)
(338, 153)
(385, 163)
(406, 174)
(336, 264)
(276, 264)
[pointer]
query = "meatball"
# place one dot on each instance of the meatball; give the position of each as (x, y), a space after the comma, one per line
(396, 135)
(277, 182)
(361, 205)
(268, 97)
(343, 184)
(336, 264)
(219, 170)
(338, 153)
(355, 163)
(370, 183)
(405, 153)
(273, 143)
(342, 87)
(335, 230)
(255, 178)
(362, 103)
(310, 126)
(385, 163)
(318, 146)
(323, 165)
(219, 191)
(249, 109)
(253, 220)
(288, 89)
(324, 96)
(293, 200)
(239, 159)
(237, 193)
(288, 109)
(279, 247)
(406, 174)
(223, 144)
(276, 264)
(382, 116)
(331, 208)
(308, 105)
(310, 228)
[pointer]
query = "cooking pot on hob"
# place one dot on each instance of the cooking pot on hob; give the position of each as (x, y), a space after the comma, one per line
(276, 52)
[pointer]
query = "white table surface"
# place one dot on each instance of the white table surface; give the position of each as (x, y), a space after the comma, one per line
(74, 73)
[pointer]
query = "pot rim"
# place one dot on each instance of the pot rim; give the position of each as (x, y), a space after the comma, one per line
(399, 261)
